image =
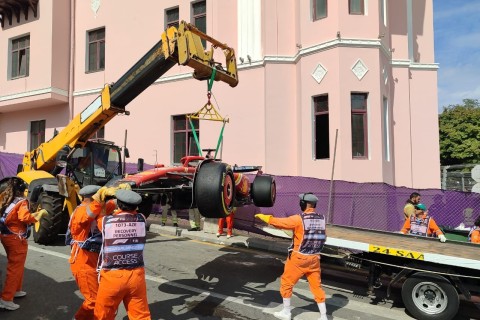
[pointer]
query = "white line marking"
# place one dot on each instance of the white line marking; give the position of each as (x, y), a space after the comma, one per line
(271, 308)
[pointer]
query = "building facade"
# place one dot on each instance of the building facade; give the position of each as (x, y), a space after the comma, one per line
(343, 86)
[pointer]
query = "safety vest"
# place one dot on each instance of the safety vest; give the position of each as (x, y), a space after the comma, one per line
(124, 237)
(419, 227)
(4, 228)
(471, 232)
(314, 235)
(94, 241)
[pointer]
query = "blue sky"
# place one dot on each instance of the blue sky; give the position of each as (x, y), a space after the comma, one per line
(457, 50)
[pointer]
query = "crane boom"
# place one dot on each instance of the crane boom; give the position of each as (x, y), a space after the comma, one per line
(182, 45)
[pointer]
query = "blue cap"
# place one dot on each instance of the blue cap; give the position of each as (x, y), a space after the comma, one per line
(421, 206)
(128, 197)
(89, 190)
(308, 197)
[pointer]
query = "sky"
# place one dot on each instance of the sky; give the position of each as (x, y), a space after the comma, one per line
(457, 50)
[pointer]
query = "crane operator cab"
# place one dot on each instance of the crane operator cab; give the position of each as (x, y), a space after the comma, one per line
(96, 163)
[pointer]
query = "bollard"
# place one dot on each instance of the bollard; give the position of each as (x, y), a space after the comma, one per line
(178, 232)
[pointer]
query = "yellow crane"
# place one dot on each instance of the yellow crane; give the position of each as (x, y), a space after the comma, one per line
(86, 161)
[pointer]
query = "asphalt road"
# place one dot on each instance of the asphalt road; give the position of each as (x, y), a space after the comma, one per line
(194, 279)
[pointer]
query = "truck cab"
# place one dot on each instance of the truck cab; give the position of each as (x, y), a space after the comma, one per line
(98, 162)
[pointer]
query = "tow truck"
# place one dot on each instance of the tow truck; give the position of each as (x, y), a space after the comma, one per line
(58, 168)
(433, 275)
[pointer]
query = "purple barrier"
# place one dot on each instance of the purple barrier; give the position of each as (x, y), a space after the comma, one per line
(377, 206)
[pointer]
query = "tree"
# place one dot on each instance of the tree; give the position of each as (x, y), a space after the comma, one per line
(460, 133)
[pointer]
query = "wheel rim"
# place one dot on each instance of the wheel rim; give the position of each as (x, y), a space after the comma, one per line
(227, 191)
(429, 297)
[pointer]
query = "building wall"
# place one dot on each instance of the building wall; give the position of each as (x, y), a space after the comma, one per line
(270, 111)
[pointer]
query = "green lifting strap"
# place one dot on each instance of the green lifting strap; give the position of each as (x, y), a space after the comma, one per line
(220, 138)
(211, 80)
(195, 136)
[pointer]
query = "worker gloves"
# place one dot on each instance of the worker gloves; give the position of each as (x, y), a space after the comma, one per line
(39, 214)
(103, 193)
(264, 217)
(108, 192)
(442, 238)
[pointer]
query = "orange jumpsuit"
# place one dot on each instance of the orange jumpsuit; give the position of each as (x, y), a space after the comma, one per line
(298, 264)
(475, 235)
(431, 228)
(117, 285)
(16, 247)
(83, 263)
(229, 220)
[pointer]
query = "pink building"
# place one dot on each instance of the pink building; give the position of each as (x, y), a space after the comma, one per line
(307, 70)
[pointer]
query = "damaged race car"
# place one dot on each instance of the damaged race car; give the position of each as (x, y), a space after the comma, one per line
(214, 187)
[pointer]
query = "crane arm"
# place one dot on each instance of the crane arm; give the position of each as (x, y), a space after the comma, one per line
(182, 45)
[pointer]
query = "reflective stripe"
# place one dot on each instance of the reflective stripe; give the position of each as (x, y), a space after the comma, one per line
(90, 213)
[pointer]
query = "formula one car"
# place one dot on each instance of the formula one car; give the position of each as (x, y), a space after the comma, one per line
(214, 187)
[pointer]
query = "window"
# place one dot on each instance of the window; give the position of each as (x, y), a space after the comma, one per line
(386, 129)
(319, 9)
(99, 134)
(96, 50)
(359, 125)
(321, 125)
(356, 6)
(172, 17)
(183, 139)
(199, 15)
(37, 133)
(20, 57)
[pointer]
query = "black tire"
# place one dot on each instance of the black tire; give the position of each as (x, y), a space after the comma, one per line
(214, 190)
(264, 191)
(429, 296)
(47, 229)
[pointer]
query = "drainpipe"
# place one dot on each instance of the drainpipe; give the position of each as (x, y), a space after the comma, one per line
(71, 71)
(410, 57)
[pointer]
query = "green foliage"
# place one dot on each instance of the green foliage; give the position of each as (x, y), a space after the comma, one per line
(460, 133)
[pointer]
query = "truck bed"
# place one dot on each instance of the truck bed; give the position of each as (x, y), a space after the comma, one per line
(452, 253)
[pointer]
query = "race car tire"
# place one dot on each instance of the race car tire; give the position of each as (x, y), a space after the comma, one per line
(264, 191)
(47, 229)
(214, 190)
(430, 296)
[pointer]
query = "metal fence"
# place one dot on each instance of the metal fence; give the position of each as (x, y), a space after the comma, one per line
(458, 177)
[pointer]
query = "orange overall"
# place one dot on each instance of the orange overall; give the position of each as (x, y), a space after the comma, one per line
(229, 220)
(431, 229)
(16, 247)
(475, 235)
(298, 264)
(83, 263)
(117, 285)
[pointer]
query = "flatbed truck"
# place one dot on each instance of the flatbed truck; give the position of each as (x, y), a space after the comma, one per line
(433, 274)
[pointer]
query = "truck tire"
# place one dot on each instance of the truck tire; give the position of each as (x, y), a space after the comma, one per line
(47, 229)
(430, 296)
(214, 190)
(264, 191)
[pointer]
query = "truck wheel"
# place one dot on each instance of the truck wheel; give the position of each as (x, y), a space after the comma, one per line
(47, 229)
(429, 296)
(214, 190)
(264, 191)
